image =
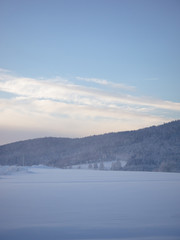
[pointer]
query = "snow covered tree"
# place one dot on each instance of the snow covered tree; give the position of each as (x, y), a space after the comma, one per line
(116, 166)
(95, 166)
(90, 166)
(101, 166)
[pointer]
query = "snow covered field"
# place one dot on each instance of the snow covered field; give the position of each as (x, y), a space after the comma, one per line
(56, 204)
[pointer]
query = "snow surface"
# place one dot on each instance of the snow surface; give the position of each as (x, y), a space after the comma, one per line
(58, 204)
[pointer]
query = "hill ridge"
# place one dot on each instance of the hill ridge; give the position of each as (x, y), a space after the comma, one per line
(155, 148)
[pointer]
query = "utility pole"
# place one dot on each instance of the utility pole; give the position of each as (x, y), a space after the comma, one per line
(23, 160)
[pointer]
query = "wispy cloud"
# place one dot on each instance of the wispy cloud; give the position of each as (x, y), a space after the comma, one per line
(107, 83)
(65, 91)
(63, 107)
(2, 70)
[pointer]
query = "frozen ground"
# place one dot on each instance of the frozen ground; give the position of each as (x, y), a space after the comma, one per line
(56, 204)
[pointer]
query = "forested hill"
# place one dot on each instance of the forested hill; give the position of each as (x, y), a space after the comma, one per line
(155, 148)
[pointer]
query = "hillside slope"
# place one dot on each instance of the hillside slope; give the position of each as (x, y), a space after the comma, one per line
(148, 149)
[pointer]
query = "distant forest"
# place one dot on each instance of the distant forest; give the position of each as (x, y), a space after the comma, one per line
(156, 148)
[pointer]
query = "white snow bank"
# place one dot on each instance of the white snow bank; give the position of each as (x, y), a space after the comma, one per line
(7, 170)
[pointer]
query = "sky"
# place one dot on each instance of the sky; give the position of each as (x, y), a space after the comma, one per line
(74, 68)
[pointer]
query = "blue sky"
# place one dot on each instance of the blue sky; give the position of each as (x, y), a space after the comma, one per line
(82, 67)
